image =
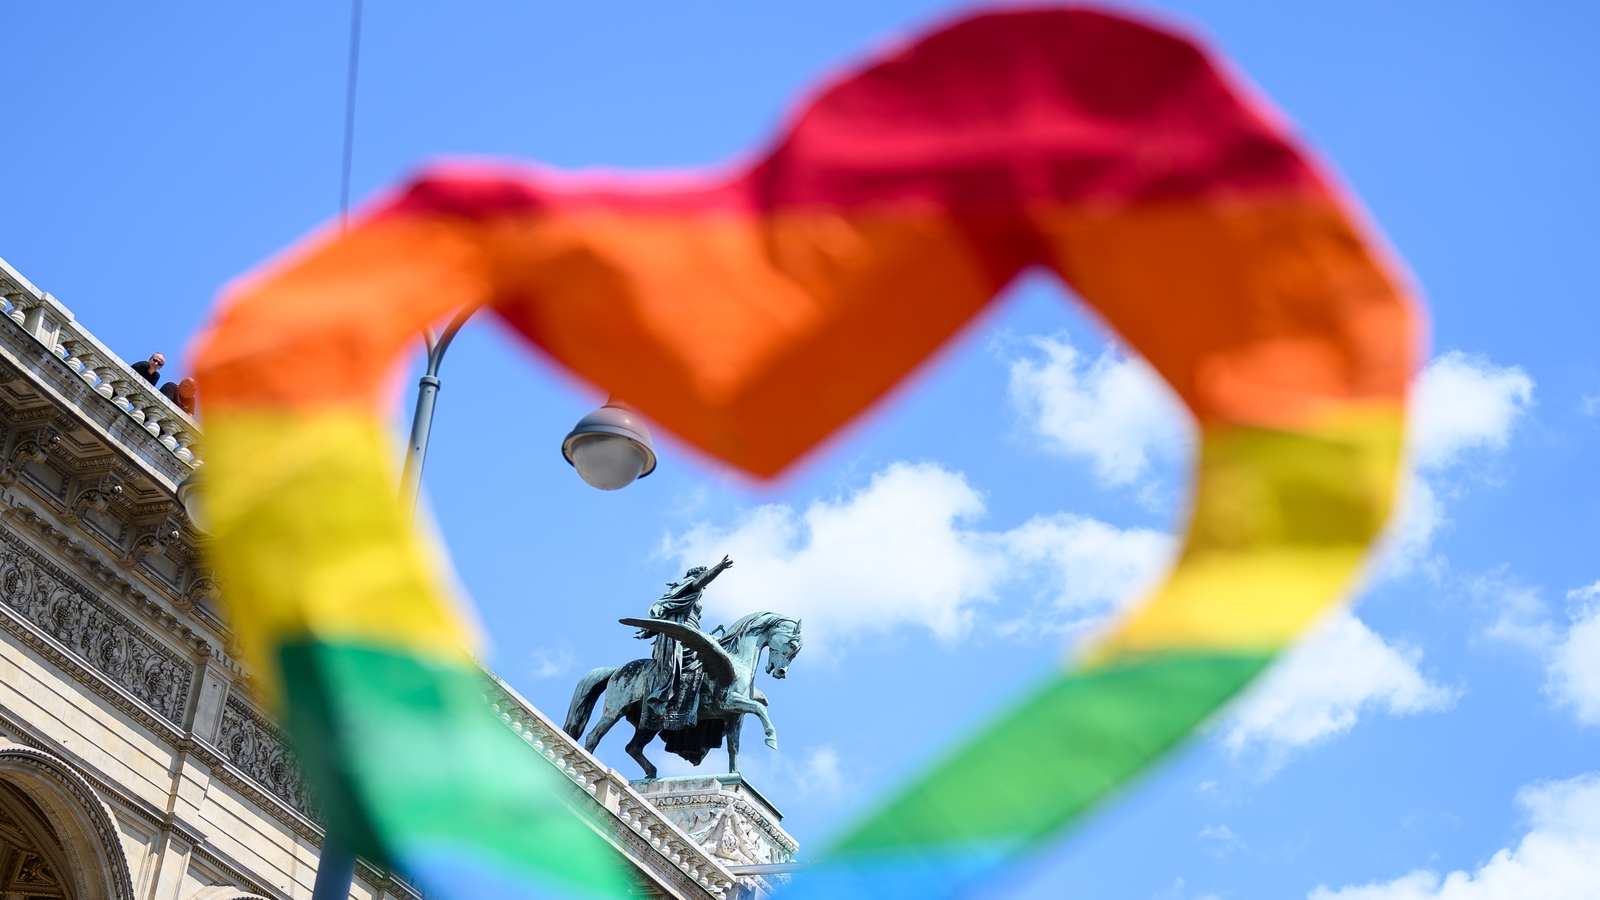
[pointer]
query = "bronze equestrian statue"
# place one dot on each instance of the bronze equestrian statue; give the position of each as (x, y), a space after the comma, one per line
(695, 688)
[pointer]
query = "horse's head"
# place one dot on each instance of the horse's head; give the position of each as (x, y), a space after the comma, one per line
(783, 645)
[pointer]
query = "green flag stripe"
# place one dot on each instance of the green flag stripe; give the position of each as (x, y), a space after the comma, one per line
(1067, 745)
(417, 757)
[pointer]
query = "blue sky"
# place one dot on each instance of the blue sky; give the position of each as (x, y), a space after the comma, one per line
(947, 550)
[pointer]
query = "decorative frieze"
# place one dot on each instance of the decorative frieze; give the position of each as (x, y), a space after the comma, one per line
(95, 632)
(254, 744)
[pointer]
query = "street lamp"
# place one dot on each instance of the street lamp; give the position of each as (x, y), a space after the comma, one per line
(610, 447)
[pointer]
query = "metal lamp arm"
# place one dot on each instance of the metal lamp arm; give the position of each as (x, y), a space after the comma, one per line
(427, 395)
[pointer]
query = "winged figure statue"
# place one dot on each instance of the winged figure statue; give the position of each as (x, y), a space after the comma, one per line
(724, 687)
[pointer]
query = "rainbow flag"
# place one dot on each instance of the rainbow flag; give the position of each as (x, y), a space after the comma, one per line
(753, 311)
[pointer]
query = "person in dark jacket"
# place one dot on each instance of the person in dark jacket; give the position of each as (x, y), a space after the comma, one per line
(150, 368)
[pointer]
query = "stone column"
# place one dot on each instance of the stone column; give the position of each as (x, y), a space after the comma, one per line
(20, 303)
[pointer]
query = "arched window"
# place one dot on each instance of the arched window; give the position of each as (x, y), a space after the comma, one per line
(57, 839)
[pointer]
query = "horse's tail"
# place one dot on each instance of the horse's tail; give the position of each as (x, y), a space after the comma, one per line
(583, 700)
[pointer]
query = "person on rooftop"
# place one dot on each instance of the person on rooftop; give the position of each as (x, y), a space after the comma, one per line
(182, 393)
(150, 368)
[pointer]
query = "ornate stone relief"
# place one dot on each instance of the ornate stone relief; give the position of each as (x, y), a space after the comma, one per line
(727, 835)
(36, 460)
(253, 743)
(92, 630)
(722, 821)
(34, 449)
(153, 549)
(202, 589)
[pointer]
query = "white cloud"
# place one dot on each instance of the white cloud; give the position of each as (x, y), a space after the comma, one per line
(1177, 892)
(1558, 859)
(546, 663)
(1221, 840)
(1520, 616)
(1173, 893)
(1571, 655)
(1464, 402)
(895, 551)
(1117, 413)
(1113, 410)
(822, 770)
(1091, 565)
(1419, 514)
(904, 550)
(1575, 661)
(1321, 688)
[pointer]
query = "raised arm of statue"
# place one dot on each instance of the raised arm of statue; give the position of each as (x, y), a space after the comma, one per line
(705, 578)
(682, 599)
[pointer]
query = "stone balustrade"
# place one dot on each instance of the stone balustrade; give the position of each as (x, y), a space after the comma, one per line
(613, 793)
(47, 321)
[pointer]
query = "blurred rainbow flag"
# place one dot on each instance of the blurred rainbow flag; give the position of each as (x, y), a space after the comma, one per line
(752, 312)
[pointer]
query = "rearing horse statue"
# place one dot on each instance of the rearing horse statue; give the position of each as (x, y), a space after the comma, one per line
(726, 696)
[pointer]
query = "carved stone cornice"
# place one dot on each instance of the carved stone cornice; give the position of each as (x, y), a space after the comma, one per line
(170, 730)
(385, 882)
(91, 623)
(17, 511)
(154, 819)
(225, 772)
(14, 729)
(96, 443)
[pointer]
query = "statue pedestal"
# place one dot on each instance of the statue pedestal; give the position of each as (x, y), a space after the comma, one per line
(731, 821)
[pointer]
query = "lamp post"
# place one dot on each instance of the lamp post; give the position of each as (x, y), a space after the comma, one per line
(427, 396)
(609, 448)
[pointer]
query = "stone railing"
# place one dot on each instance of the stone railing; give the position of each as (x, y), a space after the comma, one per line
(53, 325)
(612, 792)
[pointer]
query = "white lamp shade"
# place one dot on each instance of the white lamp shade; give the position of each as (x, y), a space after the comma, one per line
(607, 461)
(610, 448)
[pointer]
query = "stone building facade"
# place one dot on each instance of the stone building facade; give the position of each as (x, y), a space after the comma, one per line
(135, 763)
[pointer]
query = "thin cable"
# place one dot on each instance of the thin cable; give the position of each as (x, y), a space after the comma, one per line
(350, 113)
(336, 867)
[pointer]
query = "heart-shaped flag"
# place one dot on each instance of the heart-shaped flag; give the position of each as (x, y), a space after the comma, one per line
(752, 312)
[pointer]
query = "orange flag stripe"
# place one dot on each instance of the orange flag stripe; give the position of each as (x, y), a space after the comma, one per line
(755, 311)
